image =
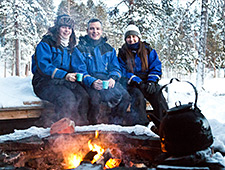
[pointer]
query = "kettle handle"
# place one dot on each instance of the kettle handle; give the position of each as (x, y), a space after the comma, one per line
(195, 90)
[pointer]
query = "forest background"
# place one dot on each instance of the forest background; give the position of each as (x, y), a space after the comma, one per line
(189, 36)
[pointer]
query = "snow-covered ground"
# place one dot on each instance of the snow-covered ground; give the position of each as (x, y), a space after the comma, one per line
(16, 91)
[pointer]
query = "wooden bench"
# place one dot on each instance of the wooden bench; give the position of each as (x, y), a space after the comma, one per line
(26, 116)
(20, 113)
(28, 111)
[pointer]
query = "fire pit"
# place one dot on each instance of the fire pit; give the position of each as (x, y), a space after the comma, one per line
(68, 151)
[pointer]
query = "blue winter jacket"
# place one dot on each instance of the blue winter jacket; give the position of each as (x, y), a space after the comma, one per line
(153, 73)
(50, 61)
(97, 60)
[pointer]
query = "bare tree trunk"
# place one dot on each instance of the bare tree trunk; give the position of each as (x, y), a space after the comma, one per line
(27, 69)
(223, 13)
(13, 65)
(5, 69)
(202, 47)
(131, 3)
(223, 16)
(17, 57)
(214, 67)
(17, 49)
(68, 3)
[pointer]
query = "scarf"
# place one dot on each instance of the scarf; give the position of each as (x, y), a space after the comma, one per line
(133, 46)
(64, 41)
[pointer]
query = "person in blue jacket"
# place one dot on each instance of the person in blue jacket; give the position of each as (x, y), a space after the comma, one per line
(141, 69)
(53, 79)
(98, 62)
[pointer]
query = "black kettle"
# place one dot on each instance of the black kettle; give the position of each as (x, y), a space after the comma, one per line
(184, 129)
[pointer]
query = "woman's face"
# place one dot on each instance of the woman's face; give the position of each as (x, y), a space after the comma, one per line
(65, 32)
(132, 39)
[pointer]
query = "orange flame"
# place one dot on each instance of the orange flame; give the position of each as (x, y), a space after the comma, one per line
(112, 163)
(96, 134)
(72, 161)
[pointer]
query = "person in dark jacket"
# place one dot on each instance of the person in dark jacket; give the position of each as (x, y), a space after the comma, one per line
(53, 79)
(98, 62)
(141, 71)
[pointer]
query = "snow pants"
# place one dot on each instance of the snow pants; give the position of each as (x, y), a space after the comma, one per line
(69, 98)
(138, 106)
(116, 98)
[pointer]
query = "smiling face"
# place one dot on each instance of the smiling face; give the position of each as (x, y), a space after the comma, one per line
(94, 30)
(65, 32)
(132, 39)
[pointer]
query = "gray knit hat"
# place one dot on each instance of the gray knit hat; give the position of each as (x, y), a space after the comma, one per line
(64, 20)
(132, 30)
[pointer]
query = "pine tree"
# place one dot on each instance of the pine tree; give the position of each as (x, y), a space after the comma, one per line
(202, 45)
(215, 49)
(145, 14)
(82, 13)
(20, 31)
(175, 41)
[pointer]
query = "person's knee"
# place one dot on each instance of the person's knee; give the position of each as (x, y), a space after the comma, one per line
(84, 97)
(95, 99)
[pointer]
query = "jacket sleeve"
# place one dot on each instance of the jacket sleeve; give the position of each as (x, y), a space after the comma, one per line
(114, 67)
(44, 63)
(78, 65)
(155, 67)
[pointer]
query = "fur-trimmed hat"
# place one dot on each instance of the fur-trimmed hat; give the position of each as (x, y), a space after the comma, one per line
(64, 20)
(132, 30)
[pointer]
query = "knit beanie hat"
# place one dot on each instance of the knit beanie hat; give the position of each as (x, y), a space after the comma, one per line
(132, 30)
(64, 20)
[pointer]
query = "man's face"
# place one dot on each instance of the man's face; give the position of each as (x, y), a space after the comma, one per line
(95, 30)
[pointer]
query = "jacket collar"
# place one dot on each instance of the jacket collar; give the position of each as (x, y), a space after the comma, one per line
(87, 41)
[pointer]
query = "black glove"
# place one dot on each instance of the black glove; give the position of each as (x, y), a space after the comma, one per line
(143, 86)
(151, 87)
(134, 83)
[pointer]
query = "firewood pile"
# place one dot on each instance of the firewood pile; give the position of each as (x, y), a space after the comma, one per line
(59, 151)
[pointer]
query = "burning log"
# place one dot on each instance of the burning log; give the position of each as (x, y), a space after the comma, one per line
(112, 163)
(90, 156)
(105, 157)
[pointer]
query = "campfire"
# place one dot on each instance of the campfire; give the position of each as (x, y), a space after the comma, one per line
(97, 154)
(72, 150)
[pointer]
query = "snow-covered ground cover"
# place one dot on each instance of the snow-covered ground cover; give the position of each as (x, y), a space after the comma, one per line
(15, 91)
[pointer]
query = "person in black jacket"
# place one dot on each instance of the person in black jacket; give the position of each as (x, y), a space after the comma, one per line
(141, 71)
(53, 79)
(98, 62)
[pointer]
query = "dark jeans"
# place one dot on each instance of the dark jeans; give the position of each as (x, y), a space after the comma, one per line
(70, 99)
(138, 105)
(116, 98)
